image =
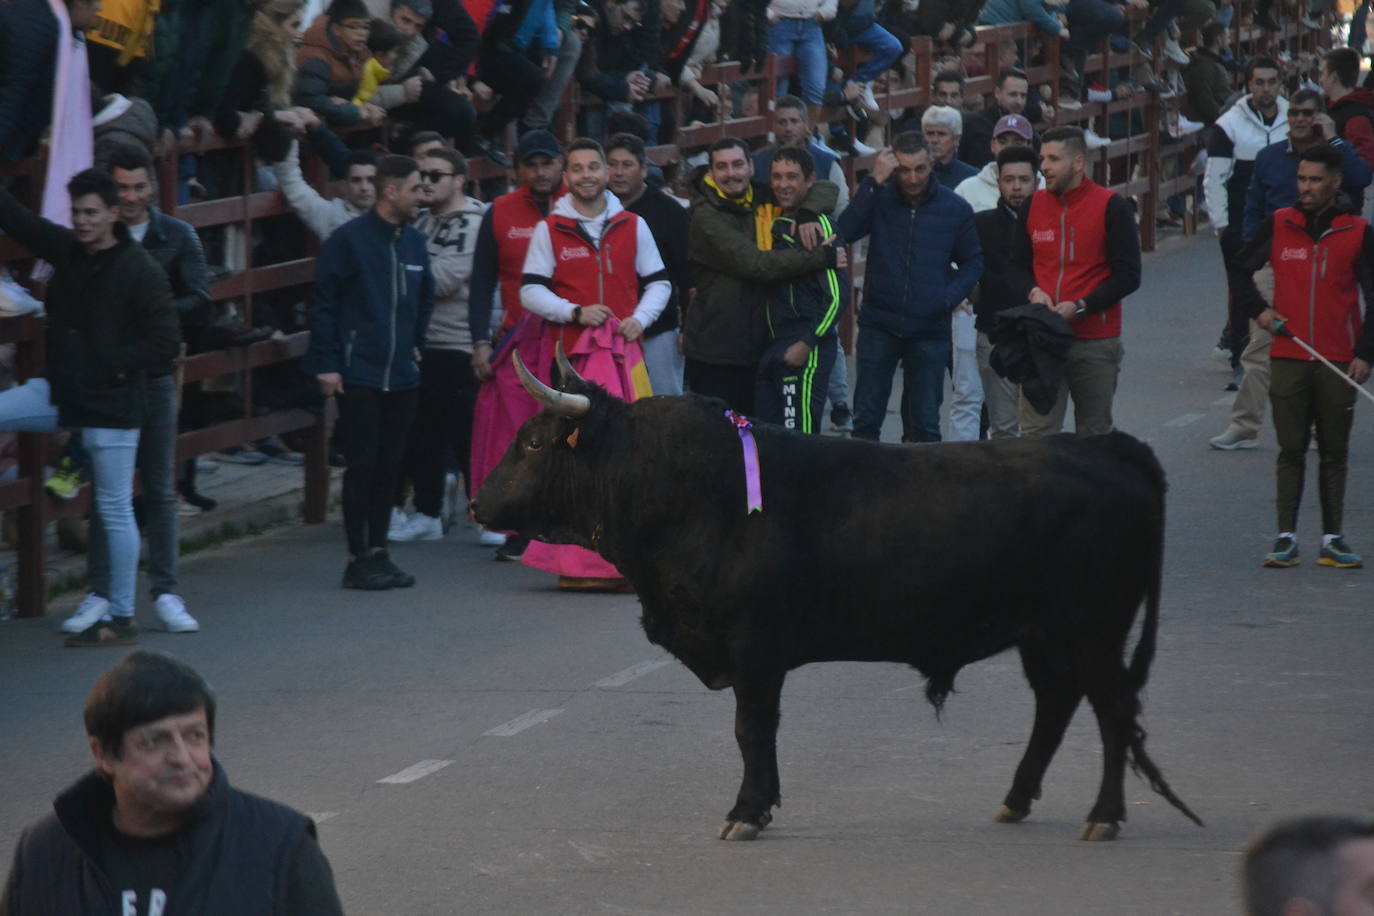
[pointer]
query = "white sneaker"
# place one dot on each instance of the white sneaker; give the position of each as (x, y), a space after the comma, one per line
(867, 99)
(1093, 141)
(1231, 440)
(420, 528)
(171, 610)
(399, 523)
(92, 608)
(491, 538)
(863, 149)
(1186, 126)
(1174, 52)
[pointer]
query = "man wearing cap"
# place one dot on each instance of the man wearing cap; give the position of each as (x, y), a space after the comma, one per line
(497, 268)
(981, 190)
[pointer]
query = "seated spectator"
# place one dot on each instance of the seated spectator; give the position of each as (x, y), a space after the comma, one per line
(1036, 12)
(940, 126)
(422, 85)
(795, 32)
(617, 66)
(1207, 78)
(121, 121)
(120, 44)
(946, 20)
(856, 25)
(258, 102)
(1090, 21)
(330, 66)
(384, 42)
(517, 52)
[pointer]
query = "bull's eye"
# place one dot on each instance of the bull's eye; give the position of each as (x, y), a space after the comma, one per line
(534, 445)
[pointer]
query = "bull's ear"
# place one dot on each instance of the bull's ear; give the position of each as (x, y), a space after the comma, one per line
(573, 436)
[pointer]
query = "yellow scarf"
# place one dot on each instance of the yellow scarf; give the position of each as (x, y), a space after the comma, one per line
(764, 214)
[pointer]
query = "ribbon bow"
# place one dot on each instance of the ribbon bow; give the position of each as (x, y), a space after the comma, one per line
(752, 485)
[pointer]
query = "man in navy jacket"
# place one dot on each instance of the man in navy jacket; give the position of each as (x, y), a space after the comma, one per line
(373, 298)
(923, 260)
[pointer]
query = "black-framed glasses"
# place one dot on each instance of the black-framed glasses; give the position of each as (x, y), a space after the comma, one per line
(435, 177)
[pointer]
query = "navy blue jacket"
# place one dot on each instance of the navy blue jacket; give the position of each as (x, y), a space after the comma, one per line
(28, 62)
(373, 298)
(1274, 182)
(910, 284)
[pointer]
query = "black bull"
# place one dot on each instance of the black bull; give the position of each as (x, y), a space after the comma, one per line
(932, 556)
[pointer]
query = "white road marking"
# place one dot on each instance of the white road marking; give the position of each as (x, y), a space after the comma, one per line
(416, 771)
(634, 672)
(320, 817)
(1185, 420)
(520, 723)
(1223, 400)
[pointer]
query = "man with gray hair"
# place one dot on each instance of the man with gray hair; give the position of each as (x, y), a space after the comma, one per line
(942, 126)
(1312, 866)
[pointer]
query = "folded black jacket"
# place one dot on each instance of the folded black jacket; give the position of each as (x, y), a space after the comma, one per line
(1029, 346)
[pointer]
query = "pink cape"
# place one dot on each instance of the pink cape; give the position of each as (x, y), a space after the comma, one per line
(503, 405)
(600, 356)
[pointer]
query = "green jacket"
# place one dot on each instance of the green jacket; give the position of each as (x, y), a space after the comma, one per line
(725, 324)
(1209, 86)
(110, 318)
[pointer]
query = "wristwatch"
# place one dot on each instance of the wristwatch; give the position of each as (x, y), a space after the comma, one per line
(577, 314)
(1082, 310)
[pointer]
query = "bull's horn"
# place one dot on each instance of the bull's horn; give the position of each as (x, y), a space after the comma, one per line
(565, 369)
(561, 403)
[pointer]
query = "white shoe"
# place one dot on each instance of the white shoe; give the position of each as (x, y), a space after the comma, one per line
(1231, 440)
(171, 610)
(92, 608)
(863, 149)
(491, 538)
(399, 523)
(449, 513)
(1186, 126)
(867, 99)
(1174, 52)
(1093, 141)
(420, 528)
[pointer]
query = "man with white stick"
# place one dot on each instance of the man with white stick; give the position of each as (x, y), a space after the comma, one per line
(1323, 257)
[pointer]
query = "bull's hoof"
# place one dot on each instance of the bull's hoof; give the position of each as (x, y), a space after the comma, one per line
(1100, 832)
(1011, 815)
(739, 830)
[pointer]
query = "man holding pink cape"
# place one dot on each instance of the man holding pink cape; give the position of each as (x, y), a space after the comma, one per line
(594, 274)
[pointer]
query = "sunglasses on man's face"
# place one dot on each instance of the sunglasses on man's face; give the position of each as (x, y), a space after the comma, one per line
(434, 177)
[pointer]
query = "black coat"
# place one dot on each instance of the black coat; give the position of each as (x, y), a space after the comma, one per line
(110, 318)
(994, 227)
(668, 222)
(241, 856)
(1029, 345)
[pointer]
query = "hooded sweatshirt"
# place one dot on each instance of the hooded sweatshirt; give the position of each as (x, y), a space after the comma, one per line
(451, 239)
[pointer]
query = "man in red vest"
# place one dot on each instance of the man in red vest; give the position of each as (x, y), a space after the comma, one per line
(589, 260)
(1079, 255)
(1323, 256)
(497, 266)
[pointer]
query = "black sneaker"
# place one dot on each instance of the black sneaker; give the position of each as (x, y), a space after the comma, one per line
(367, 574)
(841, 418)
(119, 631)
(513, 549)
(398, 577)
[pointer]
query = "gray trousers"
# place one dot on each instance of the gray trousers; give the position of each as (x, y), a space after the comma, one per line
(1002, 397)
(539, 114)
(663, 362)
(157, 472)
(1090, 374)
(1247, 410)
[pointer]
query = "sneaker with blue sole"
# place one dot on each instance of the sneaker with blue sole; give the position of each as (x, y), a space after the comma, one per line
(1284, 555)
(1336, 553)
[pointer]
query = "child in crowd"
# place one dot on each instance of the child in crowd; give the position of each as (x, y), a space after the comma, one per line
(384, 42)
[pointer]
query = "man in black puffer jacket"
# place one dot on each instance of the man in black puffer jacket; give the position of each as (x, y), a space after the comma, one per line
(110, 319)
(156, 827)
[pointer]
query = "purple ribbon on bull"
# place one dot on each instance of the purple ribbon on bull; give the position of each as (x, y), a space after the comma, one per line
(752, 485)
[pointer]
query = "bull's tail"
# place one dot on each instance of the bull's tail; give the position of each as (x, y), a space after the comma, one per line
(1144, 458)
(1145, 768)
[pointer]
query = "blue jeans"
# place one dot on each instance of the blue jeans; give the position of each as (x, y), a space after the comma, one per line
(923, 379)
(801, 39)
(157, 471)
(883, 50)
(1090, 21)
(112, 452)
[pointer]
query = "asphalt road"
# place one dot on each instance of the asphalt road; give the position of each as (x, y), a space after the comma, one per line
(483, 743)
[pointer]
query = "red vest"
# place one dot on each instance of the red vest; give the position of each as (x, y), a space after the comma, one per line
(1316, 285)
(1069, 252)
(587, 274)
(513, 218)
